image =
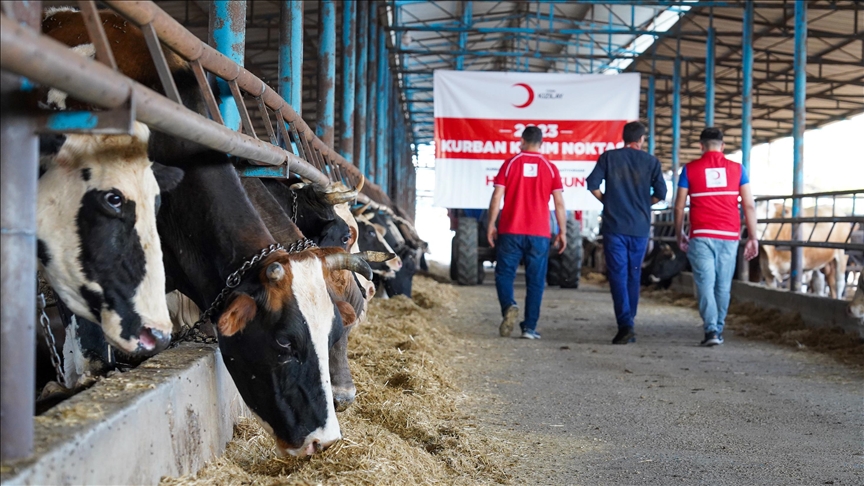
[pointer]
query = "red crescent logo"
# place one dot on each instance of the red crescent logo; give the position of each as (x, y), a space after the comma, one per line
(715, 175)
(530, 95)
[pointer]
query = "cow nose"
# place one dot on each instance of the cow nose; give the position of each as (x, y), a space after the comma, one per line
(153, 341)
(163, 339)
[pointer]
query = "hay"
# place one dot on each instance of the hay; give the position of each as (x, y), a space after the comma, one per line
(404, 427)
(786, 328)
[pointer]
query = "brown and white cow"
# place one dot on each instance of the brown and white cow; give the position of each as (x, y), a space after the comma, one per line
(856, 307)
(97, 239)
(776, 264)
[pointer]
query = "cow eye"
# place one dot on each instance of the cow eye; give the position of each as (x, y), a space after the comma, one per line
(114, 200)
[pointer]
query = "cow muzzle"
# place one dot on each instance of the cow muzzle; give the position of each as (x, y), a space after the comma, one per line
(310, 448)
(153, 340)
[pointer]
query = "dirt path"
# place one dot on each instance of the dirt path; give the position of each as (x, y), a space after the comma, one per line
(660, 411)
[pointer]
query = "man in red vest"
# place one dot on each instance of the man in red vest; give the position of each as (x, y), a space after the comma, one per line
(714, 184)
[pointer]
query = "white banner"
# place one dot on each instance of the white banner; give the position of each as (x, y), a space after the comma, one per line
(479, 118)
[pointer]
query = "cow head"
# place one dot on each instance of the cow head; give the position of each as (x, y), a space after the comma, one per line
(275, 334)
(316, 214)
(370, 237)
(856, 307)
(97, 239)
(666, 263)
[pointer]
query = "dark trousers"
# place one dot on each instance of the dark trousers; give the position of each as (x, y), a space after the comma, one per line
(624, 255)
(511, 249)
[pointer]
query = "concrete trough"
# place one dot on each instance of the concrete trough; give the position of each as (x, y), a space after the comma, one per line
(167, 417)
(815, 311)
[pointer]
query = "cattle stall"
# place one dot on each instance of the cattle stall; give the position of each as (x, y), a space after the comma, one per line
(265, 134)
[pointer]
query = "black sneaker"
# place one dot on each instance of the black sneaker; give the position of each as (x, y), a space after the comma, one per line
(711, 339)
(720, 338)
(625, 335)
(511, 315)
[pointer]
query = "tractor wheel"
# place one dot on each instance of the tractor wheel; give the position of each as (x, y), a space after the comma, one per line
(465, 252)
(570, 269)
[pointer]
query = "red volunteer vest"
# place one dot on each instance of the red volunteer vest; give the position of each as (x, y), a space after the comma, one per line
(715, 183)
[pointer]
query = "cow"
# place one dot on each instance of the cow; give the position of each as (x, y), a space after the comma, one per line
(277, 320)
(370, 237)
(314, 205)
(775, 263)
(97, 241)
(662, 264)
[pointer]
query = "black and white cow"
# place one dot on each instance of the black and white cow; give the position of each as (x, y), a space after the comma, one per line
(662, 264)
(97, 241)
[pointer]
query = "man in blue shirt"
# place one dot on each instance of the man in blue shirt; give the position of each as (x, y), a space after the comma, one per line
(634, 182)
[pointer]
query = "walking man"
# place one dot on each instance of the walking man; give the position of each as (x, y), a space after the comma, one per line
(714, 184)
(634, 182)
(525, 183)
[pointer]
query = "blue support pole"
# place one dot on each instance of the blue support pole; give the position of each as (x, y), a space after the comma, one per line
(374, 85)
(228, 36)
(361, 97)
(381, 108)
(349, 22)
(651, 116)
(676, 123)
(467, 12)
(709, 78)
(326, 72)
(747, 88)
(291, 53)
(798, 126)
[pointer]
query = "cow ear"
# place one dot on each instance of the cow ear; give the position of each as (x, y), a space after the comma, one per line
(234, 318)
(167, 177)
(347, 312)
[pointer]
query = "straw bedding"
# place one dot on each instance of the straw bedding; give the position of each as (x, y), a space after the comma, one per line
(403, 428)
(786, 328)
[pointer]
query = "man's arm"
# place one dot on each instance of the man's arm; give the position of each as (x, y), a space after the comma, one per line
(561, 216)
(680, 201)
(657, 183)
(596, 177)
(494, 209)
(751, 248)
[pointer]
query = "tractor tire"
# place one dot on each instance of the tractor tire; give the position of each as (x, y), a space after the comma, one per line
(481, 273)
(453, 259)
(465, 252)
(553, 270)
(570, 269)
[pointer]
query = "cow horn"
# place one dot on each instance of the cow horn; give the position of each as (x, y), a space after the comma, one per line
(334, 198)
(376, 256)
(275, 272)
(347, 261)
(362, 209)
(362, 182)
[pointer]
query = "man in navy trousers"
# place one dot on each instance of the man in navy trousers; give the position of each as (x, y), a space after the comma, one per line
(634, 182)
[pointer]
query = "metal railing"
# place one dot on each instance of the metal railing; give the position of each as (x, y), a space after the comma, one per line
(25, 52)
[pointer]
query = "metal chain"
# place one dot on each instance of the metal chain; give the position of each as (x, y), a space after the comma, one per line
(49, 338)
(194, 332)
(294, 207)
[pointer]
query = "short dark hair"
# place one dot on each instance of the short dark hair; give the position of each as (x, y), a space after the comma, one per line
(711, 134)
(532, 135)
(634, 131)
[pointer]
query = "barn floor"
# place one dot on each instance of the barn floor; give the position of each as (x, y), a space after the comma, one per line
(659, 411)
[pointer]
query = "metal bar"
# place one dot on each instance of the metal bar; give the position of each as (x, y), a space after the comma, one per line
(155, 48)
(709, 78)
(373, 85)
(265, 117)
(349, 28)
(361, 115)
(97, 33)
(676, 124)
(19, 169)
(381, 108)
(467, 12)
(227, 35)
(209, 99)
(814, 244)
(747, 87)
(325, 111)
(652, 119)
(852, 192)
(799, 125)
(185, 44)
(291, 53)
(241, 108)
